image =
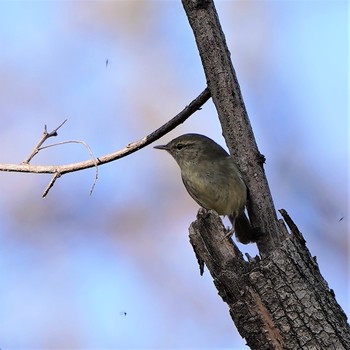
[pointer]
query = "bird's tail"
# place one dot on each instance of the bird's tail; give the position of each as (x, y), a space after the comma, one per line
(243, 229)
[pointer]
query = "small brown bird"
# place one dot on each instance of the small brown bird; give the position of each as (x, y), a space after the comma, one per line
(212, 179)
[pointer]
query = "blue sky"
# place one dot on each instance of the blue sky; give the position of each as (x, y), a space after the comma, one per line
(72, 265)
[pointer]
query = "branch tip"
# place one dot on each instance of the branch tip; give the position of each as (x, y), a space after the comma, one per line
(50, 185)
(45, 136)
(132, 147)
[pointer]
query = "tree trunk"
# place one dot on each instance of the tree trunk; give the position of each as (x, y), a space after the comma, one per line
(279, 302)
(282, 300)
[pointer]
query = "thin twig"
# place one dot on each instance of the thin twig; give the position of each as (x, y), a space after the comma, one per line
(50, 185)
(44, 137)
(93, 158)
(194, 106)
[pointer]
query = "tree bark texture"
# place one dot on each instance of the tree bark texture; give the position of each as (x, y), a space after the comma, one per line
(282, 300)
(226, 95)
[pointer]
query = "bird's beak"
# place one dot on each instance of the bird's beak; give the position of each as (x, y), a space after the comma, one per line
(164, 147)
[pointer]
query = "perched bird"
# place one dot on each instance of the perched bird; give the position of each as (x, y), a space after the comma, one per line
(212, 179)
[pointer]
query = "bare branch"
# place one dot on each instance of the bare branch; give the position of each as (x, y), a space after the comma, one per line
(93, 158)
(132, 147)
(237, 131)
(45, 136)
(50, 185)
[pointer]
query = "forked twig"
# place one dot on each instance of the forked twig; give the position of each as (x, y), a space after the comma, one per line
(59, 170)
(45, 136)
(57, 174)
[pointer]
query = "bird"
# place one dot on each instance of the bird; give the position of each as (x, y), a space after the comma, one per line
(212, 178)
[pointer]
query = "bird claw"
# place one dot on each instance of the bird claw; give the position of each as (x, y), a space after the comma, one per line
(230, 232)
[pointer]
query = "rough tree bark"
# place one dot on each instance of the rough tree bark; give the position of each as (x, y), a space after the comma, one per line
(280, 301)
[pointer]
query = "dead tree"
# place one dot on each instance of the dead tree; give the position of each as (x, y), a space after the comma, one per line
(280, 301)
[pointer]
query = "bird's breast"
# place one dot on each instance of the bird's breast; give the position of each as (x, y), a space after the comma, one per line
(220, 188)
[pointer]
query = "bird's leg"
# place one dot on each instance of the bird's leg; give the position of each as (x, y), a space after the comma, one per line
(230, 231)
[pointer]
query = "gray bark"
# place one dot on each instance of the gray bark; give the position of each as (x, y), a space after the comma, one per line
(236, 128)
(280, 301)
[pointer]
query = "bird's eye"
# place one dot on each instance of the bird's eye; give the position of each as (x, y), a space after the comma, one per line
(179, 146)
